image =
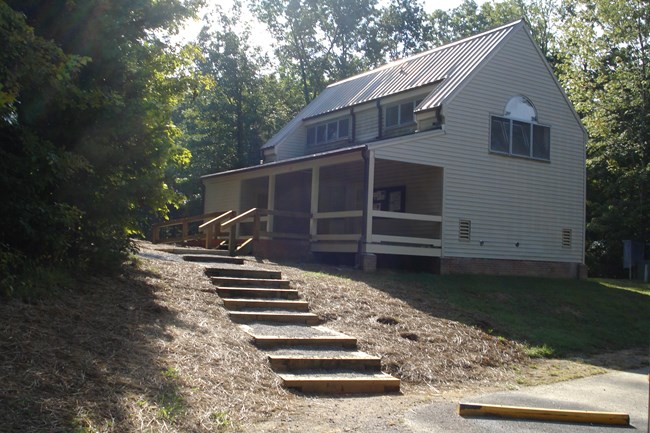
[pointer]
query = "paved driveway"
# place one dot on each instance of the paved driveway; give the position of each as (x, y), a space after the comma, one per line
(625, 392)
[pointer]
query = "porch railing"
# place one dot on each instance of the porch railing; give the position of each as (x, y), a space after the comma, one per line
(212, 228)
(182, 224)
(405, 217)
(219, 228)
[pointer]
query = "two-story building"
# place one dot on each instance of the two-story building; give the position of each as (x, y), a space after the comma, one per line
(469, 154)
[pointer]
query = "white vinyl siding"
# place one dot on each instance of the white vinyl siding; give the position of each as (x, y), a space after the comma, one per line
(509, 201)
(366, 123)
(293, 146)
(221, 195)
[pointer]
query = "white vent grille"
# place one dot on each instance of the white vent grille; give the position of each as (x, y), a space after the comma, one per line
(566, 238)
(464, 230)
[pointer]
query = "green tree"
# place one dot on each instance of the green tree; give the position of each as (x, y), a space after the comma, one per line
(606, 71)
(318, 41)
(87, 90)
(469, 19)
(238, 105)
(402, 29)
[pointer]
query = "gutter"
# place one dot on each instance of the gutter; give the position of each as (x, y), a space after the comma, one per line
(296, 160)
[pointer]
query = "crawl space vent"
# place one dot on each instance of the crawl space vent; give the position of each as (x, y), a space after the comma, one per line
(464, 230)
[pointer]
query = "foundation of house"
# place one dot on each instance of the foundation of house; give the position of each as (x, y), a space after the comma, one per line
(523, 268)
(367, 262)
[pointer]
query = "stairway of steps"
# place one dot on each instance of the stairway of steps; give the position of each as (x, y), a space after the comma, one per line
(307, 356)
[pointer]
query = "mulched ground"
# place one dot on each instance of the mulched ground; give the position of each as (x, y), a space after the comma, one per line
(154, 350)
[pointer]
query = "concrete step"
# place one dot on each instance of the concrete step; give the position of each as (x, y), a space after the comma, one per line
(269, 304)
(275, 317)
(250, 282)
(274, 336)
(292, 360)
(256, 292)
(243, 273)
(341, 382)
(213, 258)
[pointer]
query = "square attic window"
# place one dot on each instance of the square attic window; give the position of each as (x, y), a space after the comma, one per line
(328, 132)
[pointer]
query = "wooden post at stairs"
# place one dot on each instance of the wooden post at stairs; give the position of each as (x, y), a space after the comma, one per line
(256, 226)
(209, 236)
(232, 240)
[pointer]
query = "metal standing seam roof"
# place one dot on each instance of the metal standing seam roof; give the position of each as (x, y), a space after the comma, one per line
(449, 65)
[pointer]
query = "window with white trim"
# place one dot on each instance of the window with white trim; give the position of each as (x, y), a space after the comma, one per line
(517, 132)
(401, 114)
(328, 132)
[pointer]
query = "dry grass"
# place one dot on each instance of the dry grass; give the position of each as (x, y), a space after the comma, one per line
(154, 350)
(395, 322)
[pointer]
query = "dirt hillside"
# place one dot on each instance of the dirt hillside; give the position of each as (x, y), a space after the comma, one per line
(154, 350)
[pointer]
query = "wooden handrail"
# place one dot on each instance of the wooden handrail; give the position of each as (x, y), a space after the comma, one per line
(212, 228)
(217, 219)
(248, 214)
(183, 222)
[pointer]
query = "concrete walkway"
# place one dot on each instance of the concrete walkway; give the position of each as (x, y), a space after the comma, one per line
(625, 392)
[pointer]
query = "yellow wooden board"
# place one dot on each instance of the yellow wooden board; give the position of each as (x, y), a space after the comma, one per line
(579, 416)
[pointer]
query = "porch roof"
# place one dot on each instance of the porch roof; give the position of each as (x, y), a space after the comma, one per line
(271, 165)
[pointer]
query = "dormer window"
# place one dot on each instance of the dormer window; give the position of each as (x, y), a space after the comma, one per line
(401, 114)
(517, 132)
(328, 132)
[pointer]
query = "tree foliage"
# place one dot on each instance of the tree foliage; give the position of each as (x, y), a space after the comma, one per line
(402, 28)
(238, 105)
(86, 93)
(606, 70)
(469, 19)
(318, 41)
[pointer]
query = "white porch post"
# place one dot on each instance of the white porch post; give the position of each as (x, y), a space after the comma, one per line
(271, 203)
(369, 199)
(315, 185)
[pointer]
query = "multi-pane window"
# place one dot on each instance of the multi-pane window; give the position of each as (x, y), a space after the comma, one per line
(518, 133)
(519, 138)
(401, 114)
(328, 132)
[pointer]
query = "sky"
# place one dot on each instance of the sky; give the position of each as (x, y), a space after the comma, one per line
(262, 38)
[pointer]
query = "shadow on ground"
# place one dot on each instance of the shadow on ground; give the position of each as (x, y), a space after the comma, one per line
(68, 362)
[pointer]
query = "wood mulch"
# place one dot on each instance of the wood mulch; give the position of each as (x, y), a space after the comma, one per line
(154, 350)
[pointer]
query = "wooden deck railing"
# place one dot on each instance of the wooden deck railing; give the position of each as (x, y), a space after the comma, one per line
(223, 226)
(231, 225)
(184, 224)
(212, 228)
